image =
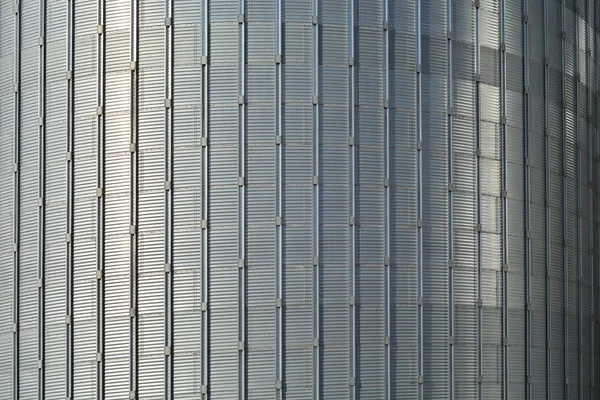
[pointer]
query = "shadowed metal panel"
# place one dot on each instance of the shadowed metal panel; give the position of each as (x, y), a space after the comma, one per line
(299, 199)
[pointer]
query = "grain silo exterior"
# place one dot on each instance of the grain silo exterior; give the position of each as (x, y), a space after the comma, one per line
(299, 199)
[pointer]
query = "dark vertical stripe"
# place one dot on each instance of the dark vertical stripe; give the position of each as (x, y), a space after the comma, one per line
(590, 152)
(419, 221)
(316, 378)
(579, 216)
(352, 337)
(242, 346)
(41, 194)
(279, 362)
(478, 189)
(386, 191)
(70, 195)
(100, 205)
(450, 133)
(16, 194)
(133, 203)
(168, 202)
(526, 162)
(204, 388)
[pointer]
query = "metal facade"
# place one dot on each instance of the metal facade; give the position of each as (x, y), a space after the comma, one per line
(299, 199)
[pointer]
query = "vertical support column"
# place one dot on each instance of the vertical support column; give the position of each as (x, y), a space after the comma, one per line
(419, 221)
(41, 323)
(168, 201)
(241, 202)
(70, 196)
(133, 204)
(526, 162)
(565, 309)
(591, 146)
(504, 204)
(449, 122)
(547, 205)
(315, 204)
(352, 336)
(478, 189)
(579, 242)
(16, 195)
(100, 123)
(279, 359)
(386, 188)
(205, 40)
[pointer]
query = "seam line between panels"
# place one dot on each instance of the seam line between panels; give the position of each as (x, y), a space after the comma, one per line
(526, 161)
(450, 167)
(351, 208)
(205, 372)
(579, 244)
(315, 205)
(242, 358)
(16, 197)
(168, 203)
(479, 239)
(564, 199)
(547, 206)
(386, 191)
(70, 196)
(133, 205)
(590, 202)
(420, 381)
(279, 368)
(41, 205)
(100, 204)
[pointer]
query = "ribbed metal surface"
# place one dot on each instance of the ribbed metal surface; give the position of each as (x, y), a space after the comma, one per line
(299, 199)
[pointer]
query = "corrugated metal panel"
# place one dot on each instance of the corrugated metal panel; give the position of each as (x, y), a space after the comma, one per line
(299, 199)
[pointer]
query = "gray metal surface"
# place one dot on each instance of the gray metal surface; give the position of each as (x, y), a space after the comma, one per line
(299, 199)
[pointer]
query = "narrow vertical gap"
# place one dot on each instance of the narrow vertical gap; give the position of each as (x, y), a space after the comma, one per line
(351, 203)
(386, 188)
(133, 204)
(168, 202)
(419, 221)
(527, 163)
(242, 346)
(450, 150)
(590, 208)
(315, 204)
(504, 203)
(70, 196)
(478, 189)
(100, 102)
(564, 200)
(41, 194)
(279, 200)
(547, 205)
(205, 364)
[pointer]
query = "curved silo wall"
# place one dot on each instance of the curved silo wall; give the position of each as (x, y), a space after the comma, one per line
(299, 199)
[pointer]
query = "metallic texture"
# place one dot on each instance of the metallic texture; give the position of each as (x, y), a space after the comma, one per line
(299, 199)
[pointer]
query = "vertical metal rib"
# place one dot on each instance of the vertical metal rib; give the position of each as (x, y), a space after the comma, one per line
(579, 216)
(133, 204)
(70, 195)
(590, 226)
(204, 387)
(16, 195)
(528, 324)
(449, 122)
(315, 205)
(504, 205)
(547, 206)
(386, 191)
(419, 208)
(478, 178)
(168, 201)
(351, 201)
(565, 309)
(41, 194)
(100, 102)
(279, 199)
(242, 204)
